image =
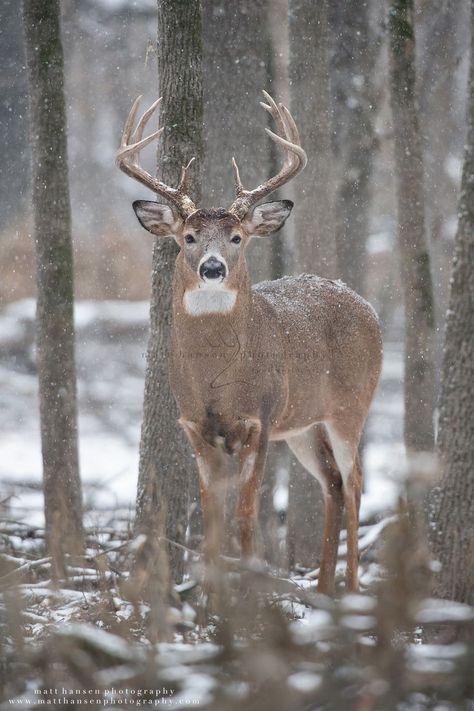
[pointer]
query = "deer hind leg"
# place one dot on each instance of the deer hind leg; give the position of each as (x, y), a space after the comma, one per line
(344, 446)
(313, 451)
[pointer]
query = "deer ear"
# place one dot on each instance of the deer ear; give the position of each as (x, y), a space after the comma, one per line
(158, 219)
(267, 218)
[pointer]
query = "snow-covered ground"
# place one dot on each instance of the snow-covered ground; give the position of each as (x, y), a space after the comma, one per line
(111, 348)
(108, 632)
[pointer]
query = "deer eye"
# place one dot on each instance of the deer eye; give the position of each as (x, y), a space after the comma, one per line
(236, 239)
(189, 239)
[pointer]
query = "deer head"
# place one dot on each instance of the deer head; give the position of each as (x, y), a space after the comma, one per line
(212, 242)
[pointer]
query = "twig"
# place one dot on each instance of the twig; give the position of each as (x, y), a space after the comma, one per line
(26, 567)
(108, 550)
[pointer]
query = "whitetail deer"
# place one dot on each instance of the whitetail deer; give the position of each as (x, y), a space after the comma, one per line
(296, 359)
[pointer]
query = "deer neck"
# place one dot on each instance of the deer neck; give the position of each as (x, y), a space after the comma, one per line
(200, 307)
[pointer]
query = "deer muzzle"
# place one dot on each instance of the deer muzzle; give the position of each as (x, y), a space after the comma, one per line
(213, 270)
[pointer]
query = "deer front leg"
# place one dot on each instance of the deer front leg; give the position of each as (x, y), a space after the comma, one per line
(252, 466)
(210, 465)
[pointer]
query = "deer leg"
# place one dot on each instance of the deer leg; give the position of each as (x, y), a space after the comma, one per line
(211, 470)
(352, 494)
(344, 448)
(352, 523)
(333, 508)
(252, 466)
(210, 465)
(315, 454)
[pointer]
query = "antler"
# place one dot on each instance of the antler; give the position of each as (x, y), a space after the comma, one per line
(294, 161)
(128, 160)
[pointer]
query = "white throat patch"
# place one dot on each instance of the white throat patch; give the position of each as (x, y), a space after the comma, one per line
(209, 300)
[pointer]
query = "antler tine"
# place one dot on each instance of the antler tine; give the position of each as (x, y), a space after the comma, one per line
(277, 111)
(294, 160)
(281, 126)
(239, 188)
(273, 106)
(133, 149)
(287, 126)
(138, 133)
(128, 160)
(183, 181)
(289, 146)
(290, 121)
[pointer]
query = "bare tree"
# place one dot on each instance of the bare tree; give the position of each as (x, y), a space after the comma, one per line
(55, 320)
(314, 231)
(315, 245)
(413, 248)
(454, 500)
(166, 464)
(353, 53)
(236, 61)
(442, 32)
(15, 155)
(239, 57)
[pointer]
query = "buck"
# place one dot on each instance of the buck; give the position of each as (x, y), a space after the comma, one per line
(295, 359)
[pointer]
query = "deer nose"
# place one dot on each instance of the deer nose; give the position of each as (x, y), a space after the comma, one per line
(212, 268)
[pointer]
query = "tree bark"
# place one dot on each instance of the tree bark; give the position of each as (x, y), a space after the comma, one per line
(166, 465)
(453, 506)
(439, 66)
(414, 256)
(55, 318)
(13, 112)
(236, 62)
(353, 55)
(314, 234)
(314, 244)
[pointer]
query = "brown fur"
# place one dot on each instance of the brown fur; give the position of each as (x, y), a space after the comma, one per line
(293, 353)
(295, 359)
(200, 219)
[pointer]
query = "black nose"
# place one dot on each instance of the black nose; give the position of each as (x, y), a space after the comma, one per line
(212, 268)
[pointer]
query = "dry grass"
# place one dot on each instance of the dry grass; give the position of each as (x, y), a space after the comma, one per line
(107, 265)
(362, 652)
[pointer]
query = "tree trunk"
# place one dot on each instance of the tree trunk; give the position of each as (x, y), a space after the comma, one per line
(15, 150)
(278, 248)
(236, 54)
(166, 465)
(454, 501)
(238, 62)
(442, 34)
(55, 318)
(314, 234)
(314, 244)
(414, 256)
(353, 55)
